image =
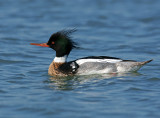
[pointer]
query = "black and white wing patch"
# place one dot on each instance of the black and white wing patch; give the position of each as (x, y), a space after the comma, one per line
(69, 68)
(74, 67)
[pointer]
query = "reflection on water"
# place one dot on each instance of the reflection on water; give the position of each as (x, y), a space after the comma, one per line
(72, 82)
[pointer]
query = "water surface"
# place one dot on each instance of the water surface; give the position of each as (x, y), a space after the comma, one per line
(124, 29)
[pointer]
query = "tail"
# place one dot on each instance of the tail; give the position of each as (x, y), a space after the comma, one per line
(138, 65)
(131, 66)
(145, 62)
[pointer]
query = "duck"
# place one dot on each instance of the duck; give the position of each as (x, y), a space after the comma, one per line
(62, 43)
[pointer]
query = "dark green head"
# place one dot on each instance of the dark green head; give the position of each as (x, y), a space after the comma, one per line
(61, 42)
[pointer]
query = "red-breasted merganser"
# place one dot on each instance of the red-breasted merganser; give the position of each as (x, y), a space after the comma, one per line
(61, 42)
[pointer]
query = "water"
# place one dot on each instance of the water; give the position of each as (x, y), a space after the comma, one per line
(119, 28)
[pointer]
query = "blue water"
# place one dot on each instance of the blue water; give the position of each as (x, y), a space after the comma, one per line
(128, 29)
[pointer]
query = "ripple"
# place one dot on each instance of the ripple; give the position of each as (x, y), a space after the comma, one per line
(2, 91)
(149, 19)
(154, 79)
(31, 109)
(96, 24)
(136, 89)
(12, 61)
(11, 39)
(20, 55)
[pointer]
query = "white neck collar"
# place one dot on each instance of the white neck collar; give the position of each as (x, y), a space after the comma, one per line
(60, 59)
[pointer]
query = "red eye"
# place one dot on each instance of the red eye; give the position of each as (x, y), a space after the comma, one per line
(52, 42)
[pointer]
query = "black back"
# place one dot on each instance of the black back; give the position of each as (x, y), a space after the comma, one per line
(99, 57)
(103, 57)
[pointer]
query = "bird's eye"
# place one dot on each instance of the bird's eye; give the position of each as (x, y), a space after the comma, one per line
(53, 43)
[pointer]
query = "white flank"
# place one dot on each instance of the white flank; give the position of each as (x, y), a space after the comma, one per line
(60, 59)
(81, 61)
